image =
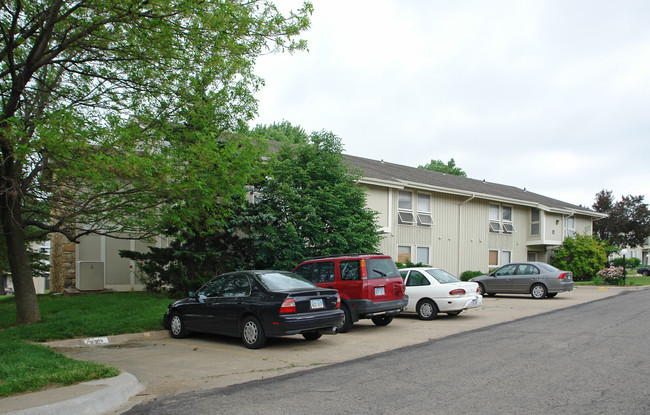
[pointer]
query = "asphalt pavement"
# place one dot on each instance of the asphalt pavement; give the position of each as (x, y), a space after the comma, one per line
(155, 365)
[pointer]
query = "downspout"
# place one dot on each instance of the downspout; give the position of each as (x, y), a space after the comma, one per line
(460, 221)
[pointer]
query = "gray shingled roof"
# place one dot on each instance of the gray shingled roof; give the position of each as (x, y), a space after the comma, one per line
(448, 183)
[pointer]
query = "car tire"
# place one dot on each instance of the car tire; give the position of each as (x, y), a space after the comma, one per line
(454, 313)
(551, 295)
(252, 333)
(481, 289)
(538, 291)
(177, 326)
(427, 310)
(382, 320)
(645, 273)
(347, 319)
(312, 335)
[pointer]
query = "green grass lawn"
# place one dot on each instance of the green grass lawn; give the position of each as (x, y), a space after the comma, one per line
(26, 367)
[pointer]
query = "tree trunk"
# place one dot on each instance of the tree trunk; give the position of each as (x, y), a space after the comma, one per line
(27, 311)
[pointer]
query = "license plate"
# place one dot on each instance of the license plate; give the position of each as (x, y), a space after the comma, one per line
(317, 303)
(475, 302)
(380, 291)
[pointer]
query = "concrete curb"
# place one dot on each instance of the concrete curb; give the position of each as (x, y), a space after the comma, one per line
(108, 340)
(110, 395)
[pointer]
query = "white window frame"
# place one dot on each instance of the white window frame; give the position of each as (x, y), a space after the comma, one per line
(508, 226)
(418, 257)
(424, 212)
(405, 218)
(410, 253)
(405, 215)
(535, 223)
(571, 226)
(410, 200)
(497, 219)
(500, 258)
(493, 216)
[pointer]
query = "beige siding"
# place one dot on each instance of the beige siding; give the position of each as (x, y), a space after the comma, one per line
(378, 199)
(554, 225)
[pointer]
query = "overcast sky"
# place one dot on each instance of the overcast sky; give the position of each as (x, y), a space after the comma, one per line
(552, 96)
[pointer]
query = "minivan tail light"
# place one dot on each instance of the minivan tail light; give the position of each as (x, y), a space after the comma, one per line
(288, 306)
(457, 291)
(364, 270)
(562, 276)
(338, 301)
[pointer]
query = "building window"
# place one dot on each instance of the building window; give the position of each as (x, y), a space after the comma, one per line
(501, 219)
(424, 210)
(495, 224)
(405, 201)
(506, 257)
(493, 261)
(534, 221)
(405, 218)
(403, 254)
(405, 208)
(532, 256)
(422, 253)
(506, 217)
(571, 226)
(497, 259)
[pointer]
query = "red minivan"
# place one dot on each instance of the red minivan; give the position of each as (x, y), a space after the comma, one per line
(369, 285)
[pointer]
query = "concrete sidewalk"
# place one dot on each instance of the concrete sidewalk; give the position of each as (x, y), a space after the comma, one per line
(153, 364)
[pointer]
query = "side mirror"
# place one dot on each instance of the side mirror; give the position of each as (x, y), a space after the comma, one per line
(191, 294)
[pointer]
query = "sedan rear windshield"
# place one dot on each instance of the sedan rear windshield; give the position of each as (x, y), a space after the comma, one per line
(548, 267)
(283, 281)
(442, 276)
(381, 268)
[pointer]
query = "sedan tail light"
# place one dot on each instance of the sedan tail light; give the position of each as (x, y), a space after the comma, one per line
(288, 306)
(457, 291)
(562, 276)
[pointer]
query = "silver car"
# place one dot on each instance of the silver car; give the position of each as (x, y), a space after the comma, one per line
(535, 278)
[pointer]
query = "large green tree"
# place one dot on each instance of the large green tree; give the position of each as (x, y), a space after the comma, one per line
(117, 116)
(449, 168)
(311, 205)
(283, 132)
(628, 220)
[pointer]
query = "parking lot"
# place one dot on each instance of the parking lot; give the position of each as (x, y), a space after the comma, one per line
(166, 366)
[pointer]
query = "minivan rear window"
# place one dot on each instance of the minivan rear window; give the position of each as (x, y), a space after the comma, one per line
(381, 268)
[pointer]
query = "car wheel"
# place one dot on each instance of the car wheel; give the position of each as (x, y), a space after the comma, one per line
(454, 313)
(312, 335)
(481, 289)
(177, 327)
(252, 333)
(551, 295)
(347, 319)
(645, 273)
(427, 310)
(538, 291)
(382, 320)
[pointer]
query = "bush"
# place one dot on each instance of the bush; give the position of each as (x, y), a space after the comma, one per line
(583, 255)
(467, 275)
(629, 262)
(610, 276)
